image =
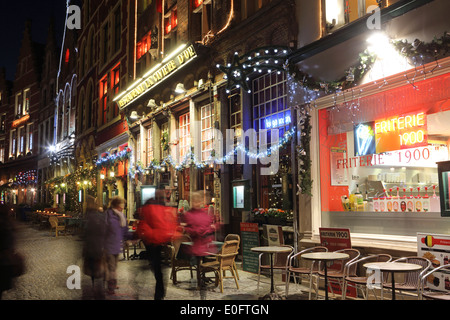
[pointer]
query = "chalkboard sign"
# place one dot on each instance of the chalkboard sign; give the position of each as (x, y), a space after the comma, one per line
(250, 239)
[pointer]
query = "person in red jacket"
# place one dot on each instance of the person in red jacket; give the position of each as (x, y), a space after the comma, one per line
(156, 229)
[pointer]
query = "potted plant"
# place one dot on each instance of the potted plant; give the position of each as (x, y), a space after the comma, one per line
(277, 216)
(260, 216)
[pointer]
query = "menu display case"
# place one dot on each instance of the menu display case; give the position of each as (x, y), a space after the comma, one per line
(444, 184)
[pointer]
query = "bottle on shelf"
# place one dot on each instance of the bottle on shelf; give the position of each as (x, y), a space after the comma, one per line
(396, 201)
(410, 202)
(418, 201)
(376, 203)
(435, 202)
(403, 201)
(383, 201)
(359, 200)
(426, 201)
(389, 201)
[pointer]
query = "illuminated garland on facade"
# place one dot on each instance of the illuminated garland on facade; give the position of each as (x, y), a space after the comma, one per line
(191, 160)
(112, 159)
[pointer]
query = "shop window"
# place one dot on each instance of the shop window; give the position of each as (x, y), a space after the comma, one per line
(184, 138)
(270, 110)
(104, 99)
(207, 119)
(377, 158)
(150, 153)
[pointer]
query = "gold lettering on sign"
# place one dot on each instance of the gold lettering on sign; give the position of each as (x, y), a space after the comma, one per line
(171, 66)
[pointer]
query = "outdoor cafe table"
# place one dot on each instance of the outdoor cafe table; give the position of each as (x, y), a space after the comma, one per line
(393, 267)
(271, 250)
(325, 257)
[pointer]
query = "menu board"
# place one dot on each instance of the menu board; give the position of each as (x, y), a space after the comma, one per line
(436, 248)
(250, 239)
(337, 239)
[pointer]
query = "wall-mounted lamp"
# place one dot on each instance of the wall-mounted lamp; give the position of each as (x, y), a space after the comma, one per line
(151, 103)
(102, 176)
(134, 115)
(180, 88)
(111, 174)
(200, 83)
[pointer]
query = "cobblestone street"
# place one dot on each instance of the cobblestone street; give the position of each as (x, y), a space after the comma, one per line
(48, 257)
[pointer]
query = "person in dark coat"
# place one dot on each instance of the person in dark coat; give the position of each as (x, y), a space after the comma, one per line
(116, 233)
(93, 251)
(156, 229)
(12, 264)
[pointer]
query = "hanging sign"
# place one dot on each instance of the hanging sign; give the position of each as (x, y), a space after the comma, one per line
(153, 77)
(401, 132)
(20, 121)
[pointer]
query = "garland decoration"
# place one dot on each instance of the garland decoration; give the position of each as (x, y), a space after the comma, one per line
(304, 157)
(112, 159)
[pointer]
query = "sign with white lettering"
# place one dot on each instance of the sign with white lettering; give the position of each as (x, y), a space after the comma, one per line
(158, 75)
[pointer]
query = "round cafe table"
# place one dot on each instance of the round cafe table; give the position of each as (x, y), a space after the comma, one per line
(325, 257)
(273, 295)
(393, 267)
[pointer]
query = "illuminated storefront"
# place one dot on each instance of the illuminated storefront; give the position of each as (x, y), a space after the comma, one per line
(378, 167)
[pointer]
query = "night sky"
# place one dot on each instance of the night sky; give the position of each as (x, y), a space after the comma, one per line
(13, 15)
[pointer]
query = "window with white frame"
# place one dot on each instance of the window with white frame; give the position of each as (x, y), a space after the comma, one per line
(30, 137)
(270, 110)
(18, 106)
(21, 137)
(138, 148)
(26, 102)
(12, 144)
(235, 114)
(185, 134)
(150, 153)
(207, 118)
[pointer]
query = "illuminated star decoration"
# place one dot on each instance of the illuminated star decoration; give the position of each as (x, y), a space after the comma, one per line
(261, 59)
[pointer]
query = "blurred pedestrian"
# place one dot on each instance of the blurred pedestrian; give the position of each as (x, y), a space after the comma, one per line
(200, 226)
(156, 229)
(93, 251)
(116, 233)
(12, 264)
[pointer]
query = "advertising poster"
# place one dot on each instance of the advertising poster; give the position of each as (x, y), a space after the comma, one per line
(249, 239)
(336, 239)
(436, 248)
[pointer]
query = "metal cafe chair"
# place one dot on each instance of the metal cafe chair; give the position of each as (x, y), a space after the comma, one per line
(411, 281)
(344, 271)
(429, 294)
(308, 272)
(360, 282)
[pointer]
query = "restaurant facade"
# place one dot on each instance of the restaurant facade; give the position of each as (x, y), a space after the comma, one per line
(378, 139)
